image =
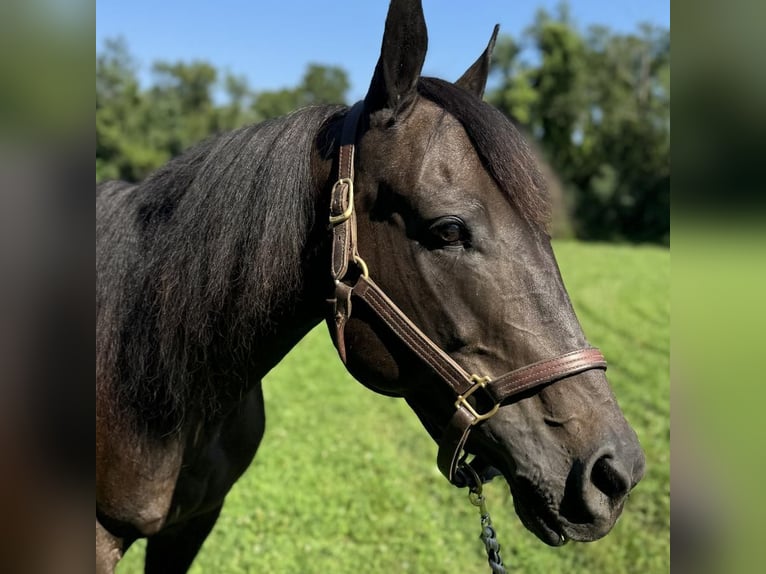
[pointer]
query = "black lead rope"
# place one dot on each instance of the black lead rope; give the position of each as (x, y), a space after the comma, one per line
(488, 535)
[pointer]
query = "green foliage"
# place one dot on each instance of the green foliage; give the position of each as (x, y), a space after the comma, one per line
(598, 104)
(516, 95)
(140, 128)
(346, 481)
(320, 85)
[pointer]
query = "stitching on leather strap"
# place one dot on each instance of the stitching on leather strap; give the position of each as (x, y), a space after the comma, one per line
(451, 372)
(453, 440)
(546, 371)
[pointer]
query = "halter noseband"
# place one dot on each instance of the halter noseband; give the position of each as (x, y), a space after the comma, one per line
(365, 290)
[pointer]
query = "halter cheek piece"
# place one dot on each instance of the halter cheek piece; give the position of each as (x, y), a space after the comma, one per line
(366, 291)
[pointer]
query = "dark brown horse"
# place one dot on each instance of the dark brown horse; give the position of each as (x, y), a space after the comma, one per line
(214, 267)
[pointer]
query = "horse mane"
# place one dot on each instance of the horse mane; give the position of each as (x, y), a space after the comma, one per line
(500, 146)
(208, 243)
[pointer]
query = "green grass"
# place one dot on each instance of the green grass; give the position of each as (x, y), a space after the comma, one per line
(345, 480)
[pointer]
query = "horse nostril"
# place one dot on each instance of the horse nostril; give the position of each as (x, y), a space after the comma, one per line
(597, 487)
(610, 478)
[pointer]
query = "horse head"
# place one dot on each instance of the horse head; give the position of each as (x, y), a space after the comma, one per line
(449, 218)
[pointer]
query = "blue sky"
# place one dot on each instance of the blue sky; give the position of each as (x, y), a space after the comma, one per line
(270, 43)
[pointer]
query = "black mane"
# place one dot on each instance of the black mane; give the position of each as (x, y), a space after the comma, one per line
(206, 244)
(502, 149)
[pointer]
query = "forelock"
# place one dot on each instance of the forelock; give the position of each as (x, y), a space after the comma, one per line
(502, 149)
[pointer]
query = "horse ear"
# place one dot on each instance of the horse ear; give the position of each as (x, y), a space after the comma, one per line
(475, 78)
(402, 54)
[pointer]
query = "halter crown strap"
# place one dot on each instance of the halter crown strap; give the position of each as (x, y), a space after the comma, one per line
(343, 225)
(463, 384)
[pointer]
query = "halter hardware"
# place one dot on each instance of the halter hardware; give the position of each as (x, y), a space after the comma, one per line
(488, 535)
(481, 383)
(346, 215)
(362, 266)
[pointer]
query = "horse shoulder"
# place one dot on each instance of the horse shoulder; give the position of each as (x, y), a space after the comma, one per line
(135, 480)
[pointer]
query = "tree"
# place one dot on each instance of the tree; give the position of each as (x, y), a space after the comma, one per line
(319, 85)
(560, 84)
(598, 104)
(138, 129)
(628, 135)
(181, 102)
(515, 94)
(237, 112)
(117, 98)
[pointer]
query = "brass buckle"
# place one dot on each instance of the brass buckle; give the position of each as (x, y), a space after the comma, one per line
(481, 382)
(336, 219)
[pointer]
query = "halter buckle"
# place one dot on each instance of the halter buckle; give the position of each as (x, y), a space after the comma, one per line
(346, 215)
(480, 383)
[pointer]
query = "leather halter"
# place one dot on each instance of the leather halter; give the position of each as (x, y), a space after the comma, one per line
(364, 290)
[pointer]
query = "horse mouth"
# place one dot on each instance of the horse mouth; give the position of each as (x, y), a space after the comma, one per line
(531, 508)
(541, 518)
(541, 522)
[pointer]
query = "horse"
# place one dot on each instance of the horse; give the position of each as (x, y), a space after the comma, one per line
(414, 224)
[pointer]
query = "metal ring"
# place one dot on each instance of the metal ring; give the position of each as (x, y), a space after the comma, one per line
(478, 485)
(362, 266)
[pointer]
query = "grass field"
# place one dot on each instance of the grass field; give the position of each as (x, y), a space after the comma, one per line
(345, 480)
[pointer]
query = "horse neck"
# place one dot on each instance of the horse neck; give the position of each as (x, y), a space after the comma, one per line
(197, 317)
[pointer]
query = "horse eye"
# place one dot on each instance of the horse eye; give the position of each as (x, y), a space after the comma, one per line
(448, 231)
